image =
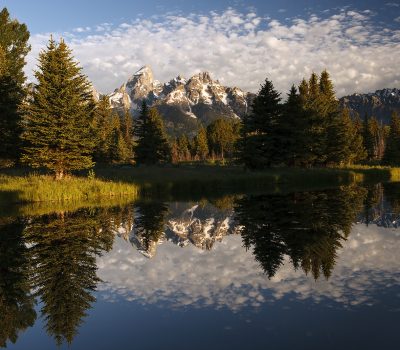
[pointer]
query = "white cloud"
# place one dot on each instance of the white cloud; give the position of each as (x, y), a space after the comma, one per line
(239, 49)
(228, 276)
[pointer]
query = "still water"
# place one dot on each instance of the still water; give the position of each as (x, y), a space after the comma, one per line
(304, 270)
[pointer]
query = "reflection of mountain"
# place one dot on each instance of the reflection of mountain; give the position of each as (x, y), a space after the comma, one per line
(229, 277)
(200, 225)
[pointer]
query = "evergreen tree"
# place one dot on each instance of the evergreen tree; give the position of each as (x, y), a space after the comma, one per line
(183, 148)
(368, 138)
(2, 62)
(201, 144)
(291, 131)
(392, 151)
(103, 116)
(58, 121)
(14, 47)
(127, 131)
(358, 151)
(257, 149)
(152, 143)
(340, 138)
(377, 138)
(222, 135)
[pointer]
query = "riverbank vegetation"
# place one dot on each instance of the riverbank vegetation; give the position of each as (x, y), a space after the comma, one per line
(58, 127)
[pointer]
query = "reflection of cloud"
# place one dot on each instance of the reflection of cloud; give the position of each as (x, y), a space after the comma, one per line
(245, 48)
(228, 276)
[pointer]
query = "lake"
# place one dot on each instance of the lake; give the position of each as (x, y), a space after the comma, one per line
(315, 269)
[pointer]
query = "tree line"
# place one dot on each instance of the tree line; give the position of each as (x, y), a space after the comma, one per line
(56, 123)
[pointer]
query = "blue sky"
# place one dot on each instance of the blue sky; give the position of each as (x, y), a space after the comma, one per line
(239, 42)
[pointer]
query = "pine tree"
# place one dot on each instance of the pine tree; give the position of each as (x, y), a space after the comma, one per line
(392, 151)
(2, 62)
(14, 46)
(256, 147)
(58, 121)
(201, 144)
(127, 133)
(183, 148)
(358, 151)
(222, 135)
(103, 116)
(291, 131)
(152, 143)
(368, 138)
(340, 138)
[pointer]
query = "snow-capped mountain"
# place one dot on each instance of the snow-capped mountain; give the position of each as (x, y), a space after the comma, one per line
(201, 226)
(183, 102)
(380, 103)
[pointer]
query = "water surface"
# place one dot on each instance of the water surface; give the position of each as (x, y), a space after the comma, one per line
(310, 270)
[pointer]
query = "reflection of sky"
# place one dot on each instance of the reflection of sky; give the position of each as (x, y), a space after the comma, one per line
(228, 276)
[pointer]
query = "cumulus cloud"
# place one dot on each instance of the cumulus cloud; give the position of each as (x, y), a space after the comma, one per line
(229, 277)
(239, 49)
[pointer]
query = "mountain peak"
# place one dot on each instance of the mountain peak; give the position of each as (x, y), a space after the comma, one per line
(143, 71)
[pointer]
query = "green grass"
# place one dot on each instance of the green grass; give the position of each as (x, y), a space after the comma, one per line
(43, 188)
(189, 181)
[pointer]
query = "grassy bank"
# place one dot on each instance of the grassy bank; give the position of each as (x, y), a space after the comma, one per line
(43, 188)
(188, 181)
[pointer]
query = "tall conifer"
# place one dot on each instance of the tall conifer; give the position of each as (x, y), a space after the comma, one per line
(392, 151)
(256, 147)
(14, 47)
(152, 143)
(58, 132)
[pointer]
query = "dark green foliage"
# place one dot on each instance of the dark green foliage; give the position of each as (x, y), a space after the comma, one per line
(14, 47)
(222, 135)
(16, 301)
(114, 135)
(291, 132)
(257, 148)
(309, 227)
(358, 151)
(374, 138)
(63, 254)
(392, 151)
(57, 122)
(149, 225)
(340, 139)
(152, 144)
(368, 138)
(201, 144)
(183, 145)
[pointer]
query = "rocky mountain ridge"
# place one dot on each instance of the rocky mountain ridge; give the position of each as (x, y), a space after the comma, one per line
(183, 102)
(196, 225)
(381, 103)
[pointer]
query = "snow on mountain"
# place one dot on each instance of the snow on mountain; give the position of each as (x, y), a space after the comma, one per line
(199, 97)
(199, 226)
(381, 103)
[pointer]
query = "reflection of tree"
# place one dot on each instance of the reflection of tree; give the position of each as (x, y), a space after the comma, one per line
(63, 252)
(308, 227)
(16, 302)
(149, 225)
(373, 198)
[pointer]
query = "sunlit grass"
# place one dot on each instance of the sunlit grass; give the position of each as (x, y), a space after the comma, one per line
(43, 188)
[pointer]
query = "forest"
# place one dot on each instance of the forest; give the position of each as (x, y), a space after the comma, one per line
(56, 124)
